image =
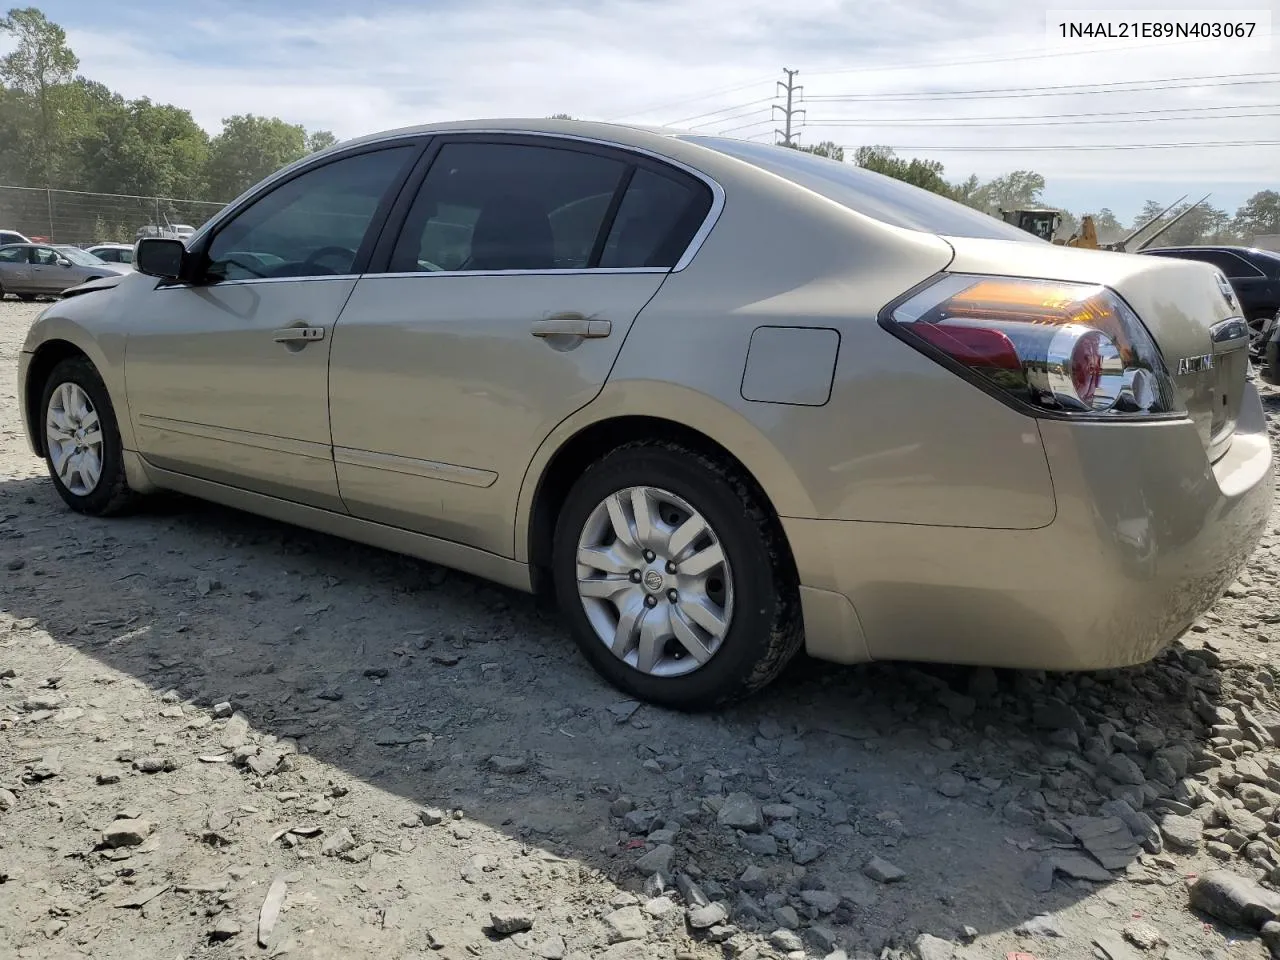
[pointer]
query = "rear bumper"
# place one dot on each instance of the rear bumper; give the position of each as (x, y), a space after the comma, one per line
(1147, 535)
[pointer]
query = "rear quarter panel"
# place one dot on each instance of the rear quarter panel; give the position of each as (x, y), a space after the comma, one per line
(900, 439)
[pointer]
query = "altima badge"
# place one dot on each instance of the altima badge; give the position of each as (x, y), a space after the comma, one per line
(1195, 364)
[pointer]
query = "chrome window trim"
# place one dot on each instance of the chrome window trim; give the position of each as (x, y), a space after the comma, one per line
(567, 272)
(250, 280)
(695, 243)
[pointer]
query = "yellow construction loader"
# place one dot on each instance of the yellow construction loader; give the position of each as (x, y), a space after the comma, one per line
(1044, 223)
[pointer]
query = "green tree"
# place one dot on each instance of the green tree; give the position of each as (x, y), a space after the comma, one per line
(1013, 191)
(561, 116)
(145, 149)
(318, 140)
(827, 148)
(39, 66)
(248, 149)
(920, 173)
(1260, 214)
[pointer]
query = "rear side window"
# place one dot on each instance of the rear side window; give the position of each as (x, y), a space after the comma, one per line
(13, 255)
(489, 207)
(871, 194)
(656, 221)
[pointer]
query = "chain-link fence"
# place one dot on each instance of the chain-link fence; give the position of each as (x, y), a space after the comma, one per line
(76, 217)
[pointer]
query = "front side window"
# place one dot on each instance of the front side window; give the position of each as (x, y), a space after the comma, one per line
(44, 256)
(310, 226)
(506, 206)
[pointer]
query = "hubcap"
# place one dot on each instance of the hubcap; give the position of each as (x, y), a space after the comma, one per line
(654, 581)
(73, 437)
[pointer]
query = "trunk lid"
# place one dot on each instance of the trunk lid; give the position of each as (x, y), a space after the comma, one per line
(1195, 324)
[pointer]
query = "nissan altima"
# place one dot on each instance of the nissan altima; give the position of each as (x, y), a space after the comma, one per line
(725, 401)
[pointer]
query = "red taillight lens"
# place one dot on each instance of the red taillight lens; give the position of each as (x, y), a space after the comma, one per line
(1068, 347)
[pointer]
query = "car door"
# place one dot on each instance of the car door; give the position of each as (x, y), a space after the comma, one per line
(47, 276)
(494, 310)
(227, 376)
(15, 269)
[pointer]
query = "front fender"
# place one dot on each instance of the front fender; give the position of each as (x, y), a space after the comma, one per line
(681, 405)
(82, 322)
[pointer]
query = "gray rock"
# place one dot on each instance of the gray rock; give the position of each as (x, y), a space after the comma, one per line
(882, 871)
(657, 860)
(823, 938)
(1053, 714)
(508, 765)
(1107, 839)
(786, 917)
(1079, 867)
(761, 844)
(704, 918)
(1142, 827)
(692, 893)
(929, 947)
(126, 833)
(1121, 768)
(640, 821)
(552, 948)
(224, 929)
(476, 867)
(741, 812)
(806, 851)
(508, 920)
(431, 817)
(786, 940)
(1143, 935)
(630, 950)
(784, 831)
(338, 844)
(221, 710)
(824, 901)
(1183, 834)
(779, 811)
(629, 923)
(1042, 925)
(752, 879)
(154, 765)
(236, 732)
(659, 906)
(1234, 900)
(951, 784)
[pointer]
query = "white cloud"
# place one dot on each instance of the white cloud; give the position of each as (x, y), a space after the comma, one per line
(399, 65)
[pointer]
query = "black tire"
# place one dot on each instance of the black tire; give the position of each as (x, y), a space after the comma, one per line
(112, 494)
(766, 630)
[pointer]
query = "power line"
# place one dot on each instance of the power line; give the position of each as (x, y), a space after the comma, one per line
(710, 113)
(1060, 116)
(1039, 123)
(676, 103)
(919, 64)
(789, 110)
(1131, 86)
(1094, 146)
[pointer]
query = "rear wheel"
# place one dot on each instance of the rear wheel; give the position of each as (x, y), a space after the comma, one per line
(81, 440)
(671, 573)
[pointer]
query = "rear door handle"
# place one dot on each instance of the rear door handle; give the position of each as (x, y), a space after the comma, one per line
(296, 334)
(572, 326)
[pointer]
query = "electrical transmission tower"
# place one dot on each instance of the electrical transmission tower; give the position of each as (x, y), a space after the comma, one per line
(790, 110)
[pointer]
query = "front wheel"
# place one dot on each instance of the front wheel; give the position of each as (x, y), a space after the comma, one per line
(81, 440)
(671, 573)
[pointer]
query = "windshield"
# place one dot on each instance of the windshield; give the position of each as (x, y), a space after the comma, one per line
(874, 195)
(81, 257)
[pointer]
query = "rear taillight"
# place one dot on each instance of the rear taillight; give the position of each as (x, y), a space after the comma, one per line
(1066, 348)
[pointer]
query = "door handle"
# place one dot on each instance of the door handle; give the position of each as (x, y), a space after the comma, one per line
(296, 334)
(572, 325)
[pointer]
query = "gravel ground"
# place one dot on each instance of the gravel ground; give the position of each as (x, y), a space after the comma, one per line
(225, 737)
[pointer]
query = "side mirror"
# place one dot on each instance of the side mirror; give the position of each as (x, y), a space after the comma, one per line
(63, 262)
(160, 257)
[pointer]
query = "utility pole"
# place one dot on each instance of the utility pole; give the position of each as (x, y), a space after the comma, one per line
(789, 111)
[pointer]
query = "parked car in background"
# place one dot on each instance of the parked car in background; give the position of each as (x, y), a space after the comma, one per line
(1254, 275)
(725, 400)
(177, 231)
(30, 270)
(12, 236)
(112, 252)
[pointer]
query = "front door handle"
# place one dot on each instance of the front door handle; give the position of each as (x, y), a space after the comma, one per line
(572, 325)
(296, 334)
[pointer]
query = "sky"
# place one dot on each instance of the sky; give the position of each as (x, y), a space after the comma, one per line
(958, 81)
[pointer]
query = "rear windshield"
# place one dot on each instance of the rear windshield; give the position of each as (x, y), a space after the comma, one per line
(872, 194)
